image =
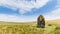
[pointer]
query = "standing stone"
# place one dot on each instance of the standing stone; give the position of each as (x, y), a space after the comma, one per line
(41, 21)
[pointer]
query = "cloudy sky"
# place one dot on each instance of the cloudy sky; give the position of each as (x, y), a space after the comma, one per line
(28, 10)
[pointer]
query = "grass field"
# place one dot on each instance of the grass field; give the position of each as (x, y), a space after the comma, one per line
(29, 27)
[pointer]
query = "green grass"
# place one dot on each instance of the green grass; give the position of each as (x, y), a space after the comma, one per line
(29, 28)
(19, 28)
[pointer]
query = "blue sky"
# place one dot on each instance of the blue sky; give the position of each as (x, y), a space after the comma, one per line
(28, 10)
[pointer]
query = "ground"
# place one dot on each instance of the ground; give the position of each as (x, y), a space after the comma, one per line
(30, 27)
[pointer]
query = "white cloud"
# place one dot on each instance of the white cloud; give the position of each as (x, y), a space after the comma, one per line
(23, 5)
(14, 18)
(55, 14)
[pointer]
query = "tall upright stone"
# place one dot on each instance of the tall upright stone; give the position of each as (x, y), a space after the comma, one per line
(41, 21)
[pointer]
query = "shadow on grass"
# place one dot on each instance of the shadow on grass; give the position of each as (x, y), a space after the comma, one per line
(40, 27)
(57, 31)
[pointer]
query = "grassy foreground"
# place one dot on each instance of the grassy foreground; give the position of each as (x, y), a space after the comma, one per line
(29, 28)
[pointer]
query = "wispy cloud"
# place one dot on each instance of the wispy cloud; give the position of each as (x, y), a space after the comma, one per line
(24, 6)
(27, 6)
(54, 14)
(14, 18)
